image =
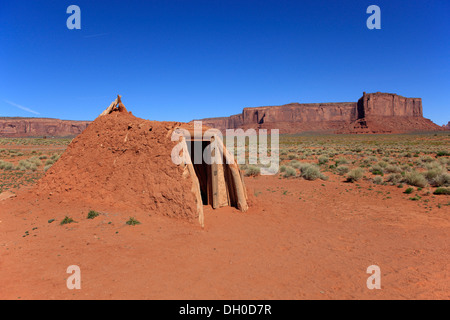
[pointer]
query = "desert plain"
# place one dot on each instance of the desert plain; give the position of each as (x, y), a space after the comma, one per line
(339, 204)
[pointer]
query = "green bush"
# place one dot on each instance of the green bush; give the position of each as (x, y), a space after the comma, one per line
(442, 154)
(440, 191)
(409, 190)
(132, 222)
(92, 214)
(66, 220)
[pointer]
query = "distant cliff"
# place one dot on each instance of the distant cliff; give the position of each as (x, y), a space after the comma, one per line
(447, 126)
(372, 113)
(38, 127)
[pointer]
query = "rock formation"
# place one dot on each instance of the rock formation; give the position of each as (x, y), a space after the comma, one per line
(39, 127)
(447, 126)
(373, 113)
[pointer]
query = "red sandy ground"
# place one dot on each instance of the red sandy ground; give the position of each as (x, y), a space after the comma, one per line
(303, 240)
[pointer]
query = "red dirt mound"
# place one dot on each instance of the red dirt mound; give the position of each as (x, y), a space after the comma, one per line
(121, 161)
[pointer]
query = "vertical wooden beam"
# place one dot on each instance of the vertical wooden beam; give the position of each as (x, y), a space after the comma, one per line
(238, 182)
(195, 183)
(214, 178)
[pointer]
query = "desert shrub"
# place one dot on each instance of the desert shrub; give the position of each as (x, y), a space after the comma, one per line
(433, 173)
(394, 178)
(405, 168)
(243, 167)
(92, 214)
(393, 162)
(252, 171)
(377, 170)
(6, 165)
(442, 179)
(435, 165)
(444, 161)
(295, 164)
(132, 222)
(417, 179)
(323, 159)
(355, 175)
(426, 159)
(282, 168)
(378, 180)
(383, 164)
(341, 160)
(311, 172)
(24, 165)
(290, 172)
(393, 169)
(66, 220)
(440, 191)
(409, 190)
(341, 170)
(292, 156)
(304, 165)
(47, 167)
(35, 160)
(442, 154)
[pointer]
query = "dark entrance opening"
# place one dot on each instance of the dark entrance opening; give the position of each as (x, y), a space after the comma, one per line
(216, 181)
(202, 170)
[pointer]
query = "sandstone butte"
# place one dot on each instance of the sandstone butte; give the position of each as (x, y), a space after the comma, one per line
(372, 113)
(15, 127)
(447, 126)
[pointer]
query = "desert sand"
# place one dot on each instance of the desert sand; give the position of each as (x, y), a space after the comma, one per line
(301, 240)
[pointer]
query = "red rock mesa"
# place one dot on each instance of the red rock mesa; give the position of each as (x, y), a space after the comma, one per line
(373, 113)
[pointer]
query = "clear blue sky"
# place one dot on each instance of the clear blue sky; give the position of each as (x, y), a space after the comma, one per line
(184, 60)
